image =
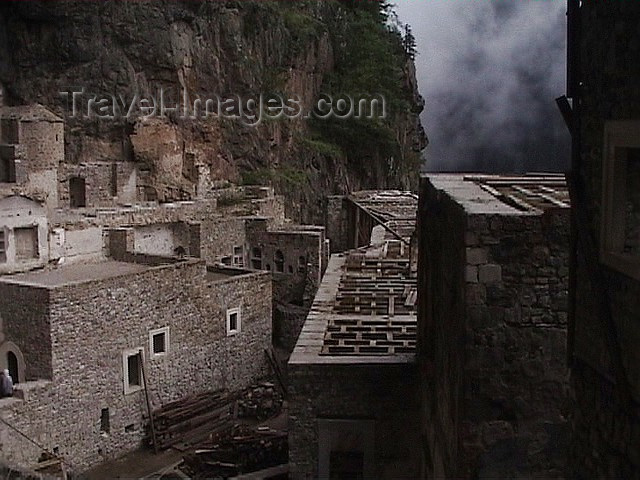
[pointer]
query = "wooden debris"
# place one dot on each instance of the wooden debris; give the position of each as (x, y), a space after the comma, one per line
(260, 402)
(246, 449)
(192, 419)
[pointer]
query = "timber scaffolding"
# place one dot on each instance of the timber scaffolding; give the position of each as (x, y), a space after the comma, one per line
(365, 309)
(375, 304)
(394, 210)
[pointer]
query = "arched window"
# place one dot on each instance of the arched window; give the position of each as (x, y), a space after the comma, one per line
(278, 259)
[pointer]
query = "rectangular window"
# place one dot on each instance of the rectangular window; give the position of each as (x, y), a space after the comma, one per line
(7, 165)
(620, 230)
(238, 256)
(159, 342)
(104, 421)
(256, 258)
(26, 240)
(233, 321)
(3, 248)
(132, 366)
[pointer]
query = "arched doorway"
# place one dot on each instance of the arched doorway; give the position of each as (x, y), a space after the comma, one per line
(11, 358)
(12, 366)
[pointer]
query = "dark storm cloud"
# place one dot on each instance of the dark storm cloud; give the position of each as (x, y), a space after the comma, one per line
(489, 71)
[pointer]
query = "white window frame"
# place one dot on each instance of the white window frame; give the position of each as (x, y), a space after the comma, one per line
(3, 242)
(125, 370)
(238, 259)
(238, 329)
(617, 134)
(153, 333)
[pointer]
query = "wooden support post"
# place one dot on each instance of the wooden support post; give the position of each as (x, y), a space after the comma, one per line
(146, 395)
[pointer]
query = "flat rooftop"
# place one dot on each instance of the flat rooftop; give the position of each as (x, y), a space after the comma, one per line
(364, 311)
(75, 274)
(532, 193)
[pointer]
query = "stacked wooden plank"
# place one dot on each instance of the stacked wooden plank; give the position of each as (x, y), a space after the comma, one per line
(247, 449)
(192, 419)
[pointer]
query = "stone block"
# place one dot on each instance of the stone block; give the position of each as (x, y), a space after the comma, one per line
(490, 273)
(476, 256)
(476, 294)
(471, 239)
(471, 274)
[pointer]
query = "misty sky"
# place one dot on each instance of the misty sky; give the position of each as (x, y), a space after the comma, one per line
(489, 71)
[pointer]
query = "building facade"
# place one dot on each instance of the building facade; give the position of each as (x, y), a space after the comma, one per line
(492, 325)
(353, 396)
(605, 325)
(91, 338)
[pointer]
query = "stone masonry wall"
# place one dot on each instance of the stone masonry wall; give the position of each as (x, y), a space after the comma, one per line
(40, 149)
(93, 323)
(605, 423)
(293, 289)
(219, 236)
(516, 388)
(441, 322)
(386, 394)
(335, 222)
(25, 321)
(495, 317)
(101, 187)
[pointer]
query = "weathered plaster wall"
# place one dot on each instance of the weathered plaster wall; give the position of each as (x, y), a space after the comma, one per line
(161, 239)
(20, 212)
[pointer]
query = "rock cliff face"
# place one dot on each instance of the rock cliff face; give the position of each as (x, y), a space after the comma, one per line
(118, 50)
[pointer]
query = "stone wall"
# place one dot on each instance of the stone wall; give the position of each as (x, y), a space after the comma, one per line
(25, 311)
(336, 223)
(385, 394)
(101, 188)
(605, 421)
(441, 294)
(41, 148)
(493, 339)
(93, 323)
(294, 288)
(219, 236)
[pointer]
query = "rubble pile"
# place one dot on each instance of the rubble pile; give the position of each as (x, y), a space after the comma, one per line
(260, 402)
(192, 419)
(246, 449)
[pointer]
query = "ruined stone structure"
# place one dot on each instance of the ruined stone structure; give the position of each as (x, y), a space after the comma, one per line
(106, 283)
(492, 321)
(352, 375)
(605, 324)
(31, 148)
